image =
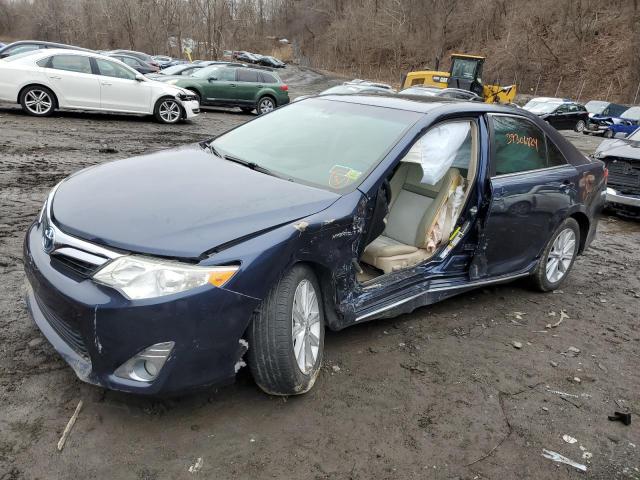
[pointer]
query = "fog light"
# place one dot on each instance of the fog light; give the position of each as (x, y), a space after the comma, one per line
(146, 365)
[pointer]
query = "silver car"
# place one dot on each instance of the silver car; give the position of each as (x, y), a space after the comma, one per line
(622, 159)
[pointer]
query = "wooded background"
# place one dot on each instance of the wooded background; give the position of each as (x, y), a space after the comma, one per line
(572, 48)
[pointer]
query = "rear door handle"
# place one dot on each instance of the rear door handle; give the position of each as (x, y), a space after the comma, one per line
(55, 77)
(106, 84)
(232, 84)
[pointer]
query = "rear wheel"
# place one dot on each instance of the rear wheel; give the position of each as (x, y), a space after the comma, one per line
(38, 101)
(286, 336)
(580, 126)
(266, 105)
(168, 110)
(558, 256)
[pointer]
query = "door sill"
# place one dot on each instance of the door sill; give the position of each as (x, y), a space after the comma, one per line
(450, 285)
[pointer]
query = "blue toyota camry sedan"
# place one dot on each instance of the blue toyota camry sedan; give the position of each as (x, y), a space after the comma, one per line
(171, 271)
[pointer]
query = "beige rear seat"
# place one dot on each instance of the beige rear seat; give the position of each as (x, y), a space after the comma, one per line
(412, 213)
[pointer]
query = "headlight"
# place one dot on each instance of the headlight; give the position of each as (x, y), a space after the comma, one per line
(599, 155)
(172, 82)
(138, 277)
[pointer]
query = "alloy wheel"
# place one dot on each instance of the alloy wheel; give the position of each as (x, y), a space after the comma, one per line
(580, 126)
(266, 105)
(169, 111)
(561, 255)
(305, 326)
(38, 102)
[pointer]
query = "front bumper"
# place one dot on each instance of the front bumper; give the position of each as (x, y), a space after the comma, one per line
(616, 198)
(595, 128)
(95, 329)
(191, 108)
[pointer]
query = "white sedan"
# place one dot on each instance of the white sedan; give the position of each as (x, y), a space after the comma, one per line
(68, 79)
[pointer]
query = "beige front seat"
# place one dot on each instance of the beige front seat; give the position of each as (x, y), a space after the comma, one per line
(412, 213)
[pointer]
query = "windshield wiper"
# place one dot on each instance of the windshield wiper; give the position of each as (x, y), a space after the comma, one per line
(214, 151)
(251, 165)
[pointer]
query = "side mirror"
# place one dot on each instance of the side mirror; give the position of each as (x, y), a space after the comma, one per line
(140, 77)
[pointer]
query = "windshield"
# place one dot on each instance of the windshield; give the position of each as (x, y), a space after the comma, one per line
(427, 92)
(596, 106)
(206, 72)
(614, 110)
(328, 144)
(464, 68)
(635, 136)
(541, 107)
(632, 114)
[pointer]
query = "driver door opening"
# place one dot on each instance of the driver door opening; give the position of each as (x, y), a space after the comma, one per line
(428, 190)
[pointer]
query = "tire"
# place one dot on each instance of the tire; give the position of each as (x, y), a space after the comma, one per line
(564, 242)
(273, 361)
(580, 126)
(266, 104)
(608, 134)
(168, 110)
(38, 101)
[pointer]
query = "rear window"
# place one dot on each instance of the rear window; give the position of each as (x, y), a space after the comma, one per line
(520, 146)
(268, 78)
(70, 63)
(247, 75)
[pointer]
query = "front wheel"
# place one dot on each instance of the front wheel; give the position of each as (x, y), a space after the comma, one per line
(608, 134)
(558, 256)
(37, 101)
(286, 335)
(580, 126)
(266, 105)
(168, 110)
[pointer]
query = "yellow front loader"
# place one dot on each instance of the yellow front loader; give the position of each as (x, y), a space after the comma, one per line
(466, 74)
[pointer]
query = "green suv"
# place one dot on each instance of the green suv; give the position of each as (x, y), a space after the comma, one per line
(236, 86)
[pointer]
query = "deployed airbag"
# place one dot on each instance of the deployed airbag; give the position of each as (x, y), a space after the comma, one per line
(437, 150)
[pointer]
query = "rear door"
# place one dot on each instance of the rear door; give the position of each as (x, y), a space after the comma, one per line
(73, 80)
(248, 86)
(532, 187)
(119, 89)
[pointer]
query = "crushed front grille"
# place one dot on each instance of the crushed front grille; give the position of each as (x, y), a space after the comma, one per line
(624, 176)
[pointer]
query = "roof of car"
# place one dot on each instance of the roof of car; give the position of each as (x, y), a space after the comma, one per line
(41, 42)
(423, 104)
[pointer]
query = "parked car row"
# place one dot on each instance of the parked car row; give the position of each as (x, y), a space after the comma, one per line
(45, 76)
(256, 58)
(595, 117)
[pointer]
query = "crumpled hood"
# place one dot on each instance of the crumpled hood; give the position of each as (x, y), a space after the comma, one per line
(178, 203)
(618, 148)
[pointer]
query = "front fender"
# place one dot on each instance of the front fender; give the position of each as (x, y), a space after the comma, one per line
(328, 239)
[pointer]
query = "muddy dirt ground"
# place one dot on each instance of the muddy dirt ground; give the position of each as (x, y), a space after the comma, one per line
(441, 393)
